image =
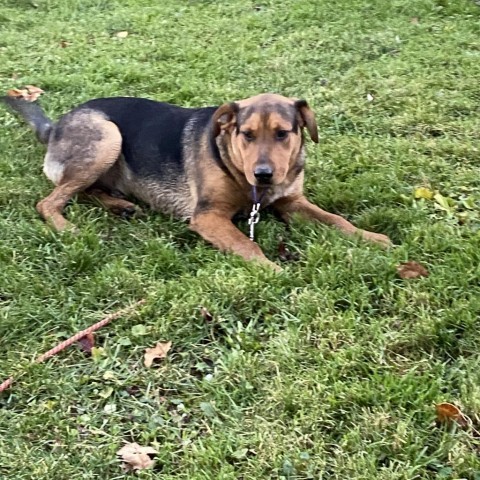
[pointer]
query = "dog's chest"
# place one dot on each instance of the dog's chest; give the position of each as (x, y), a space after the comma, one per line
(281, 191)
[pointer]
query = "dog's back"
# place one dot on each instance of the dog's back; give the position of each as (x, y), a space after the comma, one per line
(152, 132)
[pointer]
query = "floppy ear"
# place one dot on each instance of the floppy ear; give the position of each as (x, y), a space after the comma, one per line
(307, 119)
(224, 117)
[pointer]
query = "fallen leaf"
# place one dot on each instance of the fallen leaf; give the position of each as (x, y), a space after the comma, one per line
(30, 93)
(86, 343)
(15, 92)
(110, 408)
(414, 20)
(109, 375)
(423, 192)
(159, 351)
(122, 34)
(239, 454)
(285, 255)
(208, 409)
(448, 413)
(139, 330)
(64, 44)
(98, 353)
(133, 390)
(411, 269)
(135, 457)
(207, 316)
(445, 203)
(33, 89)
(106, 393)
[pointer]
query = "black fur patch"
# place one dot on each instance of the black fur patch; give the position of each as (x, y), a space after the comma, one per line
(152, 132)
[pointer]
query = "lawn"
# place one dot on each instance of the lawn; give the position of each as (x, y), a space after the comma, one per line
(328, 370)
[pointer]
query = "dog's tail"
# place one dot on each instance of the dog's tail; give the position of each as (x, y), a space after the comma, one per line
(33, 114)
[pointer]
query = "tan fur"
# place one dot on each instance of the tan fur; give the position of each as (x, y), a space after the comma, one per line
(89, 162)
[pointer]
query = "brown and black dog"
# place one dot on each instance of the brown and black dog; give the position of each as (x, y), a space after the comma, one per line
(199, 164)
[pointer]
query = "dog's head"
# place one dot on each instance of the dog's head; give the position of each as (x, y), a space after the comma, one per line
(266, 135)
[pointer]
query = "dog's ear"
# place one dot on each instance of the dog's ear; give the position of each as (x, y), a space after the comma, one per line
(224, 117)
(307, 119)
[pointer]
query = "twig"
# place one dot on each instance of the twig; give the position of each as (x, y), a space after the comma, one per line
(61, 346)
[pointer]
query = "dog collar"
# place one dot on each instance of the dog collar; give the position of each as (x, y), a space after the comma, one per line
(255, 212)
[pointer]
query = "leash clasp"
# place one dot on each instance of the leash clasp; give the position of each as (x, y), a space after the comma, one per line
(254, 219)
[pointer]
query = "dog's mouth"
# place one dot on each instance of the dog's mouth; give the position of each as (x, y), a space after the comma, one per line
(263, 182)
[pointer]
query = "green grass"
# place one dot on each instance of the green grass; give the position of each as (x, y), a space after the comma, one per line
(330, 370)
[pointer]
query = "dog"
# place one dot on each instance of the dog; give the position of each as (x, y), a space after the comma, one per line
(204, 164)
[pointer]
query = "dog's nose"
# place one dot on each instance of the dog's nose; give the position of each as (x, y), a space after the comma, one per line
(263, 174)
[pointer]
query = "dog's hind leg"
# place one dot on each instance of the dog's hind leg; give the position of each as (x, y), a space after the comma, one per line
(81, 149)
(116, 205)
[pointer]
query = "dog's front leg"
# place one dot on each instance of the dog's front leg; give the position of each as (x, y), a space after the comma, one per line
(217, 228)
(301, 205)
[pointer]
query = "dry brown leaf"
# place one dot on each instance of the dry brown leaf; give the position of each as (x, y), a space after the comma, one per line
(411, 269)
(33, 89)
(207, 316)
(121, 34)
(15, 92)
(415, 20)
(86, 343)
(447, 413)
(135, 457)
(30, 93)
(285, 255)
(159, 351)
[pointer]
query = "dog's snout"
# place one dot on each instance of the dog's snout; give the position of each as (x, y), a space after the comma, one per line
(263, 173)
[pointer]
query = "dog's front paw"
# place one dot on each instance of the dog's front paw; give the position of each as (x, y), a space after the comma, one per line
(275, 267)
(269, 264)
(379, 238)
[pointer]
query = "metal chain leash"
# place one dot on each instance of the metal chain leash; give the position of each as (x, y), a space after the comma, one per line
(255, 213)
(254, 219)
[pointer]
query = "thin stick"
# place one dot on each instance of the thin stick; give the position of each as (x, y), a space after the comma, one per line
(61, 346)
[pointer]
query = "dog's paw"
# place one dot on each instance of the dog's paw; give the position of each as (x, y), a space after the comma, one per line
(61, 225)
(131, 212)
(378, 238)
(275, 267)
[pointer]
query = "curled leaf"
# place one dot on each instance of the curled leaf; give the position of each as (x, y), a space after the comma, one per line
(30, 93)
(136, 457)
(17, 93)
(207, 316)
(159, 351)
(411, 269)
(86, 343)
(285, 255)
(448, 413)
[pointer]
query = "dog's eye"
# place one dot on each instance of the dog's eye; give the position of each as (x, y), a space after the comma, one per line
(249, 137)
(281, 134)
